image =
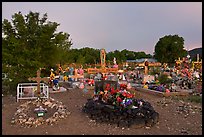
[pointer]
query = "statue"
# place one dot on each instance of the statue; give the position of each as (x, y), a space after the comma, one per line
(114, 62)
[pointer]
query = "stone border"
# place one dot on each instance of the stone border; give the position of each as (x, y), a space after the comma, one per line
(21, 117)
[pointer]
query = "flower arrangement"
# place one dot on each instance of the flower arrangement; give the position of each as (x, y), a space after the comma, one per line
(117, 97)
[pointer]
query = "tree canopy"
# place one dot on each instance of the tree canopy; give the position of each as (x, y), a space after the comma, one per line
(29, 43)
(169, 48)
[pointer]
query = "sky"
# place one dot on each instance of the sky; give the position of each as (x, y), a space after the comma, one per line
(135, 26)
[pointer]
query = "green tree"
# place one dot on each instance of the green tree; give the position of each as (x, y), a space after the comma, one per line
(169, 48)
(29, 43)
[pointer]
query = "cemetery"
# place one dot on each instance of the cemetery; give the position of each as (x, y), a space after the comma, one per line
(51, 89)
(114, 99)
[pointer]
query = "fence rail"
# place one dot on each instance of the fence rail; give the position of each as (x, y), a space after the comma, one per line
(29, 91)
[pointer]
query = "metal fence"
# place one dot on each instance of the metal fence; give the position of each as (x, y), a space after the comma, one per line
(29, 91)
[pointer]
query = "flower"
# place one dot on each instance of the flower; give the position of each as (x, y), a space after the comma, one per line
(119, 99)
(123, 86)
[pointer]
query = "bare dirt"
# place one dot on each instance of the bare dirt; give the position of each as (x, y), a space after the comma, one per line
(171, 122)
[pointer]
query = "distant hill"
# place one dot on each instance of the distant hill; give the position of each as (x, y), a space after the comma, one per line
(193, 53)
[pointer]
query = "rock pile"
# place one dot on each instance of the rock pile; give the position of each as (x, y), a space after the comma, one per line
(142, 114)
(26, 117)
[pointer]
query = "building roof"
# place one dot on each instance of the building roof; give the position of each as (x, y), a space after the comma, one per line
(142, 60)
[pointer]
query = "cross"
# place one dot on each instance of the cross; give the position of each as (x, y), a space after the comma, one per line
(38, 79)
(146, 64)
(75, 76)
(103, 68)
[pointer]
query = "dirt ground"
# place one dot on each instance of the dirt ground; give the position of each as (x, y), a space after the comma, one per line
(171, 122)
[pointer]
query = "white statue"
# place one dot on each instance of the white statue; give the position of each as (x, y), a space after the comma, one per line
(115, 64)
(114, 61)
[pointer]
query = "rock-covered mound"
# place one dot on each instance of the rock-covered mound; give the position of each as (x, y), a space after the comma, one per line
(25, 116)
(140, 114)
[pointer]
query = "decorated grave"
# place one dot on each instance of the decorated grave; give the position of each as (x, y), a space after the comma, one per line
(37, 112)
(33, 90)
(40, 109)
(112, 103)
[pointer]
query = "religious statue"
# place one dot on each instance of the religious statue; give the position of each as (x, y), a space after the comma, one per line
(115, 64)
(114, 60)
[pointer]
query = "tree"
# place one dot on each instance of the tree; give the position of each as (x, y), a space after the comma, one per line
(29, 43)
(169, 48)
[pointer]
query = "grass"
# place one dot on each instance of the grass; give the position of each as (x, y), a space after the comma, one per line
(190, 98)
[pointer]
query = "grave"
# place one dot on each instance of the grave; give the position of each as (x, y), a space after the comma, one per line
(42, 110)
(114, 105)
(29, 91)
(35, 113)
(33, 90)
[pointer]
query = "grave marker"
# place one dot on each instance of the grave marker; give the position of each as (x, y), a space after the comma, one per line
(38, 79)
(103, 68)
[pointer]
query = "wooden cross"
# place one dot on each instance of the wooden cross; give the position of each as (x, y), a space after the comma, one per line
(38, 79)
(146, 64)
(76, 76)
(103, 68)
(103, 58)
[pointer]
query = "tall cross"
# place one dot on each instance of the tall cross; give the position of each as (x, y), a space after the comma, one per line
(103, 58)
(38, 79)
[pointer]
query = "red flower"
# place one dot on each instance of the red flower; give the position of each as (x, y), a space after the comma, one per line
(129, 95)
(107, 87)
(119, 99)
(124, 94)
(123, 86)
(113, 91)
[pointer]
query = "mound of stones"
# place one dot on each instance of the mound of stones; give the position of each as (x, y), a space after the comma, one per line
(25, 115)
(139, 115)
